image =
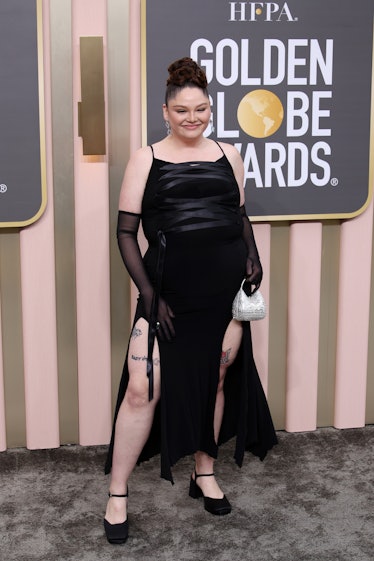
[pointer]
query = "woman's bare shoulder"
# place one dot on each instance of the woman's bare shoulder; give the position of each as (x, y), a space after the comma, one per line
(137, 169)
(141, 156)
(229, 150)
(232, 155)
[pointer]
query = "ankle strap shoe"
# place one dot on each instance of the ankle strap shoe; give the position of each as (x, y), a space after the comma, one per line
(214, 506)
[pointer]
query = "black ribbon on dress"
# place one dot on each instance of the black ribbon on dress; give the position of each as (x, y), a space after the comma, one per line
(152, 330)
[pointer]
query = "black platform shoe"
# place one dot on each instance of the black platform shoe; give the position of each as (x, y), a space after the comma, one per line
(214, 506)
(117, 533)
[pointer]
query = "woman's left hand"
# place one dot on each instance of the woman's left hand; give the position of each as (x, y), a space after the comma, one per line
(254, 273)
(165, 317)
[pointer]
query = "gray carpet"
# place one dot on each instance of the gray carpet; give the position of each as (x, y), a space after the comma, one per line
(312, 498)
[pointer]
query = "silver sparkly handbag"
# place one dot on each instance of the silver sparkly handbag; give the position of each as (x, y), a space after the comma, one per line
(248, 308)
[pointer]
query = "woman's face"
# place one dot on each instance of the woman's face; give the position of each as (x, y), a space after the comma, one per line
(188, 113)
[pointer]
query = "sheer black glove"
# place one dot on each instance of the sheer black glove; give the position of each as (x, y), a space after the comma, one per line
(254, 268)
(127, 236)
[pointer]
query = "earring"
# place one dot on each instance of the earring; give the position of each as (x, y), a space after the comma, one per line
(168, 129)
(211, 124)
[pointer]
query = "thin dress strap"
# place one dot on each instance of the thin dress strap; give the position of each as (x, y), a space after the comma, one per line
(153, 154)
(219, 146)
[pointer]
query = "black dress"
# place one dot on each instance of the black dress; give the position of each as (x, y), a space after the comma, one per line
(195, 207)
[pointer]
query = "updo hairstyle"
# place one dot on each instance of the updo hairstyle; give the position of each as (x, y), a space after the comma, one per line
(184, 73)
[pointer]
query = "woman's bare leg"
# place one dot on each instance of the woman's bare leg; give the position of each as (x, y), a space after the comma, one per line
(203, 462)
(134, 420)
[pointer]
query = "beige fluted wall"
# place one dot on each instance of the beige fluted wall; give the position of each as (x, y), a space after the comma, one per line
(65, 304)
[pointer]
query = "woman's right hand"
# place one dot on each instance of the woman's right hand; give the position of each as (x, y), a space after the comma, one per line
(165, 315)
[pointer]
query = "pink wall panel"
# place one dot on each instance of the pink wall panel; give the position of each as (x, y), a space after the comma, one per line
(92, 254)
(353, 320)
(303, 326)
(39, 303)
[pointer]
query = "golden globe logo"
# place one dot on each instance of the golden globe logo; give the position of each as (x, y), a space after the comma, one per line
(264, 11)
(260, 113)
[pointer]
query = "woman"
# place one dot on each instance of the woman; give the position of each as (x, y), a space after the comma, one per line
(189, 380)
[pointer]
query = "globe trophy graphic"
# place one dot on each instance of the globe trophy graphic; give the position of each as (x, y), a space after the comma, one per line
(260, 113)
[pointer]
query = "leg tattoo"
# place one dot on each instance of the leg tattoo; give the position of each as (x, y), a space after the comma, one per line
(156, 361)
(138, 357)
(225, 356)
(136, 332)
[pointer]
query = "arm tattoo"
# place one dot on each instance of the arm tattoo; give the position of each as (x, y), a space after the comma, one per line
(136, 332)
(225, 356)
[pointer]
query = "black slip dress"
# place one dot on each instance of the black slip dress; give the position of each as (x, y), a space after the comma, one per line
(194, 206)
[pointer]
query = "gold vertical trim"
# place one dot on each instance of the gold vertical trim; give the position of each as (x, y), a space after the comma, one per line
(328, 323)
(278, 322)
(64, 226)
(119, 149)
(11, 308)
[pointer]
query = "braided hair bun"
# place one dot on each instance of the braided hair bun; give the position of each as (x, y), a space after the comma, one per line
(183, 73)
(186, 71)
